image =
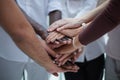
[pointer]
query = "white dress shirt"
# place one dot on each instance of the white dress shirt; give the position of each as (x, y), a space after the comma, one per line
(77, 8)
(38, 10)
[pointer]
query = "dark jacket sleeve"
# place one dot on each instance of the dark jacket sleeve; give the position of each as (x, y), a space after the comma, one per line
(102, 24)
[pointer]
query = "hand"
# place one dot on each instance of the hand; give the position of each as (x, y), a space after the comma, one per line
(69, 67)
(54, 36)
(65, 49)
(69, 23)
(63, 58)
(53, 68)
(71, 32)
(69, 48)
(48, 49)
(60, 34)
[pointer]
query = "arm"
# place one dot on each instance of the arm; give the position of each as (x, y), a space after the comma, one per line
(92, 14)
(70, 27)
(105, 22)
(16, 25)
(54, 16)
(76, 22)
(39, 29)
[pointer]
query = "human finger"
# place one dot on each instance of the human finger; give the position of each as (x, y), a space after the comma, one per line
(56, 24)
(71, 32)
(70, 66)
(70, 25)
(64, 59)
(48, 49)
(78, 53)
(56, 37)
(50, 36)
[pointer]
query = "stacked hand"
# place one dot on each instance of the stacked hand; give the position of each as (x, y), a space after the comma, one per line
(67, 67)
(63, 46)
(70, 50)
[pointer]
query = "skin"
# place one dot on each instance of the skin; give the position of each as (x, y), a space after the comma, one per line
(71, 23)
(41, 31)
(55, 16)
(22, 33)
(66, 26)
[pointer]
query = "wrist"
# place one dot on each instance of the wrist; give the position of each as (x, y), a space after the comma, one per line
(81, 20)
(76, 42)
(52, 68)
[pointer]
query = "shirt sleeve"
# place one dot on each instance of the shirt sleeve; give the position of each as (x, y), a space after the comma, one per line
(54, 5)
(103, 23)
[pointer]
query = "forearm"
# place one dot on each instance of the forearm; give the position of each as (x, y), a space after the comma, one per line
(105, 22)
(16, 25)
(54, 16)
(92, 14)
(39, 29)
